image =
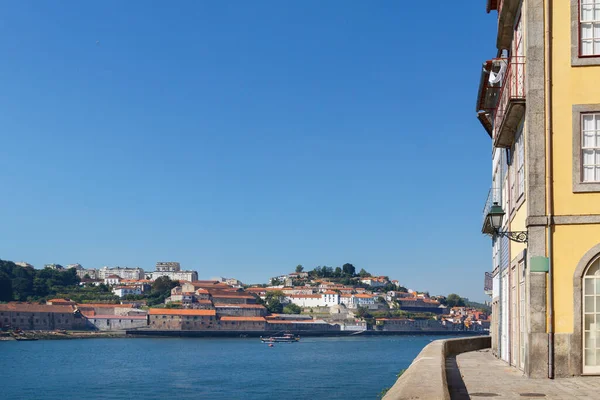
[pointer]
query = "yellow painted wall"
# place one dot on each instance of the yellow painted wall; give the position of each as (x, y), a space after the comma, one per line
(571, 85)
(518, 224)
(571, 242)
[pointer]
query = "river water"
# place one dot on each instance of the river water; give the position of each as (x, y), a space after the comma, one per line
(201, 368)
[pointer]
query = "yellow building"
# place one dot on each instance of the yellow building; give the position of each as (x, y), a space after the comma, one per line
(539, 101)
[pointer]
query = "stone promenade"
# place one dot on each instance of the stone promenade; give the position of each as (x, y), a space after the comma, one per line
(485, 377)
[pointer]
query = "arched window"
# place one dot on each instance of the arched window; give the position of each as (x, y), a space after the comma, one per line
(591, 318)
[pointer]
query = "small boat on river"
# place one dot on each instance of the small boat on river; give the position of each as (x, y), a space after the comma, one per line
(285, 338)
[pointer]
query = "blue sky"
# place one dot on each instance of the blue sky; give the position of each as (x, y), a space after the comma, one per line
(244, 138)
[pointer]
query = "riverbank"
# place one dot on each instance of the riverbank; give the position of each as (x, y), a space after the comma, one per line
(66, 335)
(62, 335)
(302, 333)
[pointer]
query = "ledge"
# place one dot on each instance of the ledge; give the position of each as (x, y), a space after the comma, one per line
(426, 377)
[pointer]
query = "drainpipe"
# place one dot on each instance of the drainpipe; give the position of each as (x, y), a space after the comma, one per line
(549, 184)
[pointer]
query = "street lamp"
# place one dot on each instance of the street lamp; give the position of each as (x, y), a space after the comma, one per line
(495, 216)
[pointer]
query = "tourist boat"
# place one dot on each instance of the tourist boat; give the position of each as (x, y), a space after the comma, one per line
(24, 338)
(285, 338)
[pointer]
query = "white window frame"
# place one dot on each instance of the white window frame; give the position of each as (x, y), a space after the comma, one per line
(580, 111)
(520, 156)
(592, 6)
(594, 150)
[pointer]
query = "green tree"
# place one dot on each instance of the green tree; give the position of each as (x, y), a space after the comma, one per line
(362, 312)
(163, 285)
(299, 268)
(276, 282)
(338, 272)
(454, 300)
(273, 301)
(348, 269)
(363, 274)
(6, 293)
(292, 309)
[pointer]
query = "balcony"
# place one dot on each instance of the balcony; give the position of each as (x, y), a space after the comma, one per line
(494, 196)
(511, 102)
(507, 13)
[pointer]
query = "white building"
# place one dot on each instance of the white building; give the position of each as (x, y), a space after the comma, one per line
(330, 298)
(327, 299)
(112, 280)
(173, 270)
(92, 273)
(167, 266)
(349, 300)
(54, 266)
(176, 275)
(123, 272)
(123, 291)
(24, 264)
(306, 300)
(374, 281)
(76, 266)
(366, 301)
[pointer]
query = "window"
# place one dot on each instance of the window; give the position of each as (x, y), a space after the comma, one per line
(586, 148)
(520, 164)
(590, 147)
(522, 310)
(589, 27)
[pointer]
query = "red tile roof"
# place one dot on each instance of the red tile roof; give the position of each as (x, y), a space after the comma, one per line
(57, 302)
(175, 311)
(239, 306)
(39, 308)
(97, 305)
(139, 317)
(256, 319)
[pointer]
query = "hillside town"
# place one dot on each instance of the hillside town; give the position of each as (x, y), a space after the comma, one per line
(171, 301)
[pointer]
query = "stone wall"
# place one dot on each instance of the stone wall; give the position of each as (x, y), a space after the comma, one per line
(426, 377)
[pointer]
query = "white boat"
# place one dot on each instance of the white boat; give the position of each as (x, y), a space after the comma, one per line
(285, 338)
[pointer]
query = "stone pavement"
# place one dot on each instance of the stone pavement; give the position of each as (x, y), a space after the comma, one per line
(486, 377)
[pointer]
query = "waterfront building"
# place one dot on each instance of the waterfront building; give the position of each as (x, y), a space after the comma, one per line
(179, 319)
(116, 322)
(243, 323)
(173, 271)
(241, 310)
(300, 325)
(92, 309)
(27, 316)
(416, 304)
(539, 104)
